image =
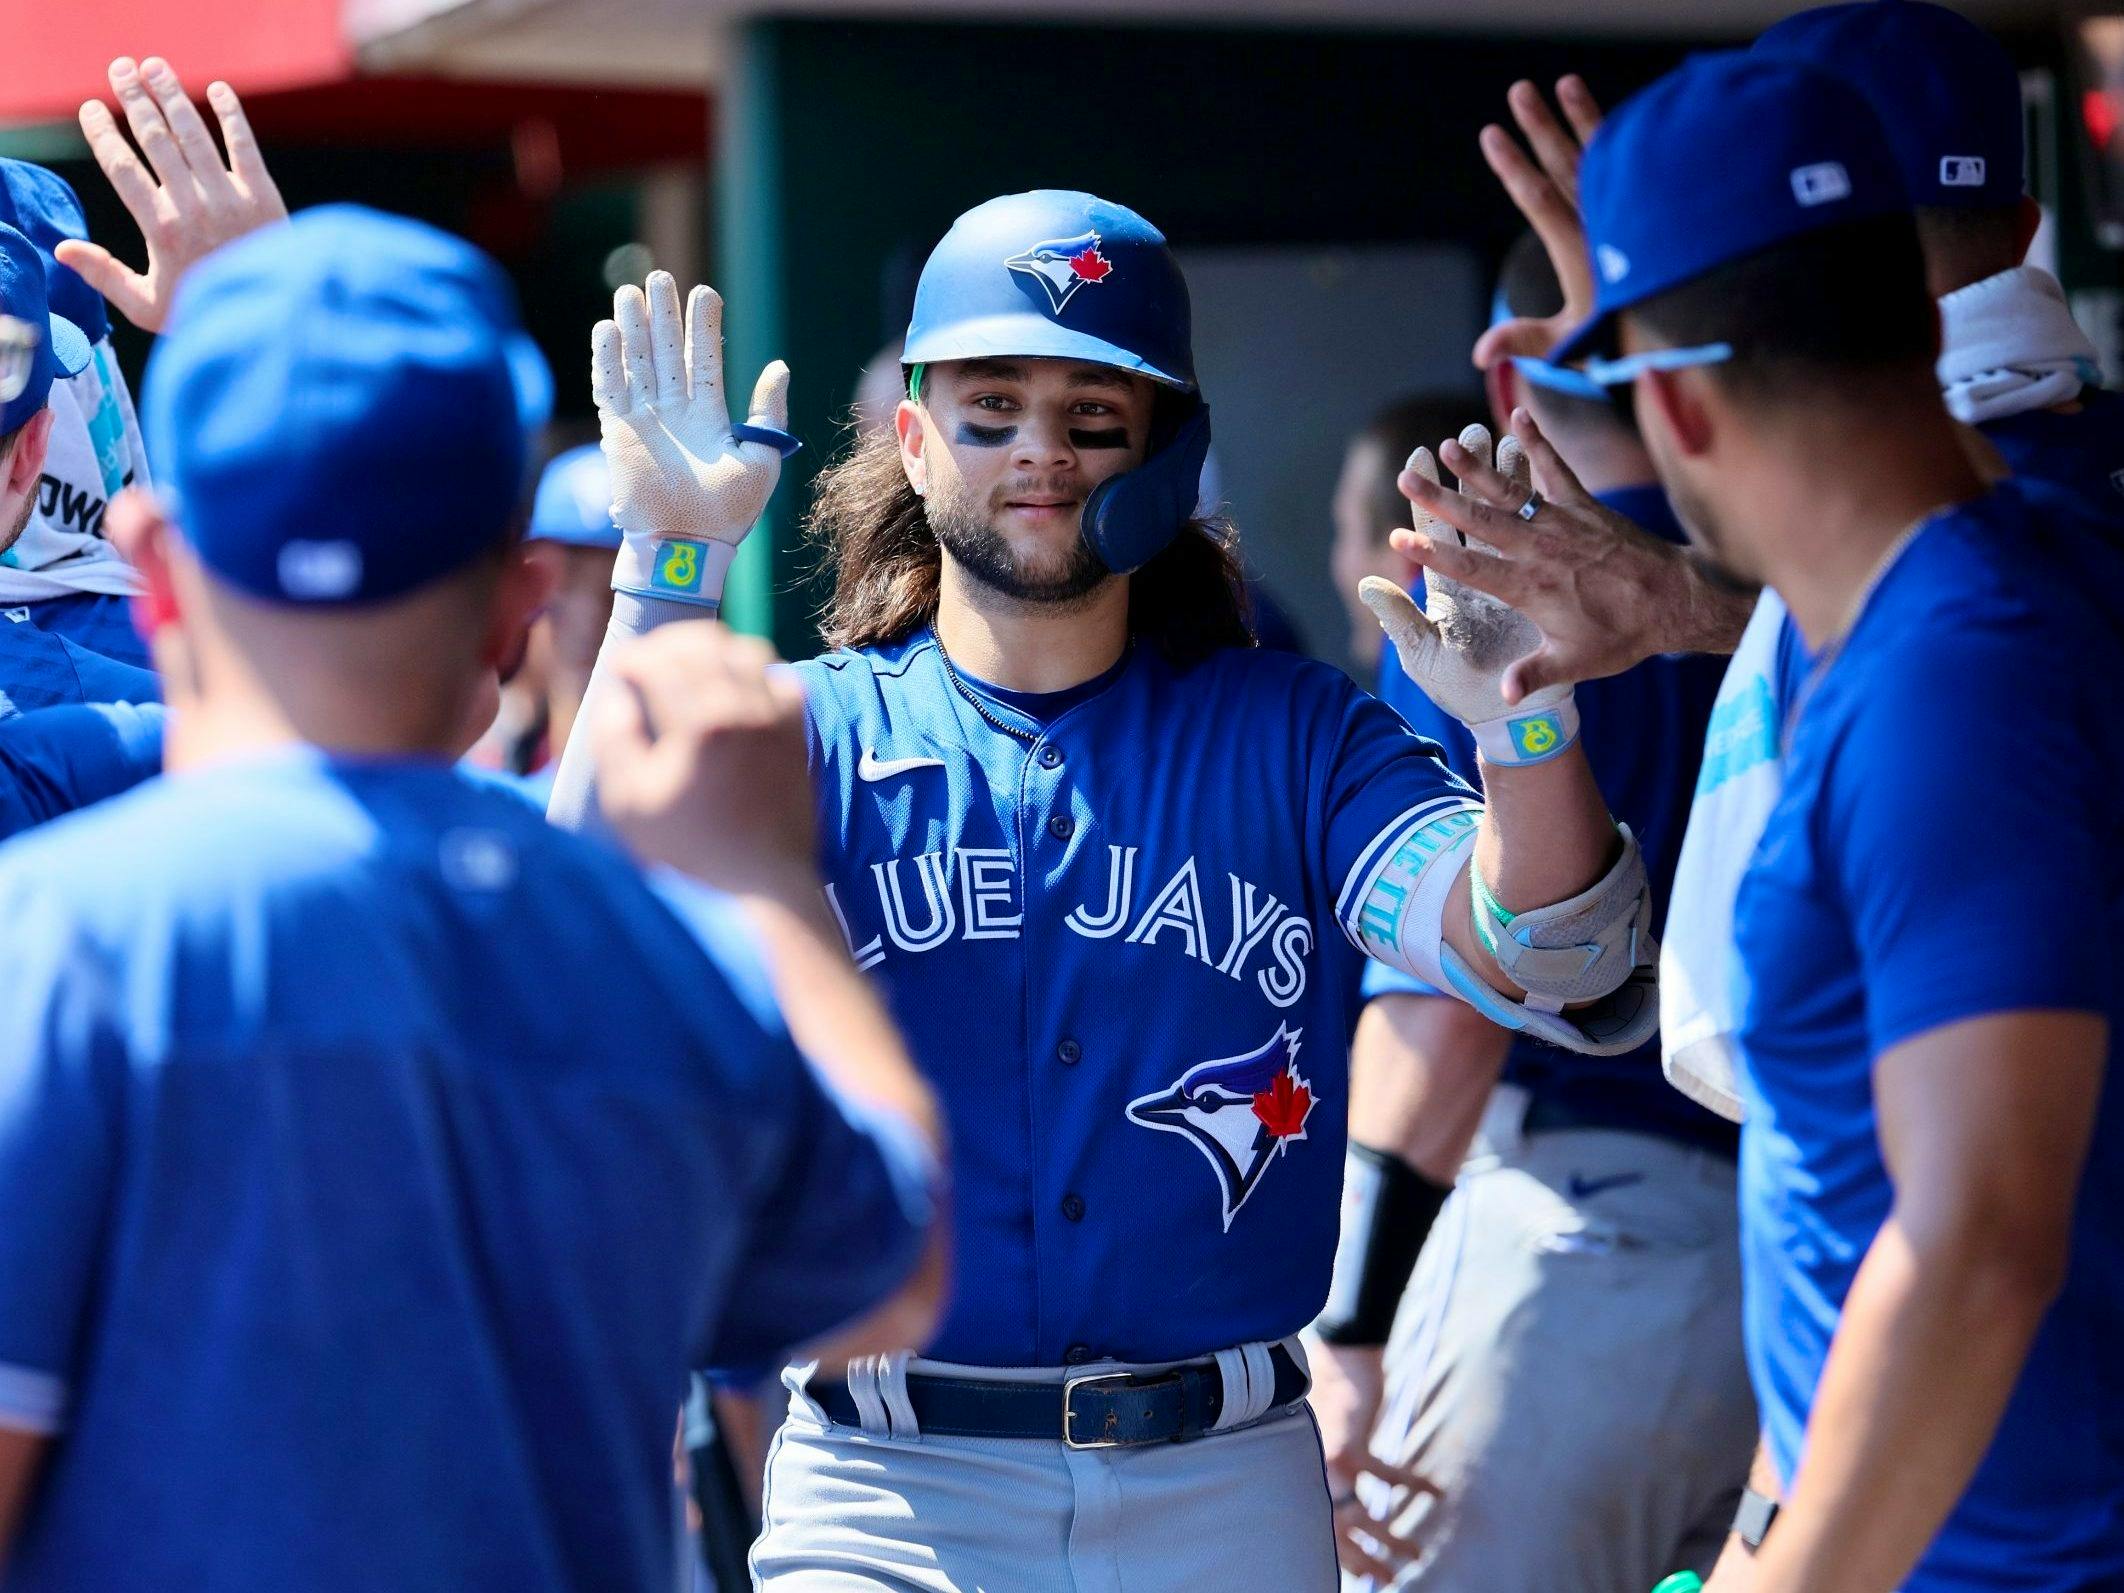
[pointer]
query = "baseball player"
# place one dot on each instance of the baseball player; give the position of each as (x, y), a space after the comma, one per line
(376, 1158)
(1930, 1166)
(1585, 1284)
(1112, 866)
(58, 759)
(38, 351)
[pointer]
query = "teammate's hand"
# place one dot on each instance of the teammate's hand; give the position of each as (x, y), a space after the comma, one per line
(192, 205)
(1347, 1382)
(702, 761)
(1545, 189)
(1375, 1532)
(679, 469)
(1601, 593)
(1459, 647)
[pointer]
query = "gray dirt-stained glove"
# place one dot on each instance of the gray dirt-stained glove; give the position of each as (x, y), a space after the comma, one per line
(1458, 646)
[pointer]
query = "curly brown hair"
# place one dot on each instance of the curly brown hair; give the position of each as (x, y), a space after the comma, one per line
(1188, 601)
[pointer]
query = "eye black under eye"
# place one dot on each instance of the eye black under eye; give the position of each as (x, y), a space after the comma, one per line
(985, 436)
(1088, 439)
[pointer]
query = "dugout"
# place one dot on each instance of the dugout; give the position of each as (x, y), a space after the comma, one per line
(1314, 163)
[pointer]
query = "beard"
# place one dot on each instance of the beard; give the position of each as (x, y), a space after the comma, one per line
(969, 535)
(10, 535)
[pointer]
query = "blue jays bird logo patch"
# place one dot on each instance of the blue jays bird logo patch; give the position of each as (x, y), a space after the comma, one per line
(1062, 266)
(1239, 1111)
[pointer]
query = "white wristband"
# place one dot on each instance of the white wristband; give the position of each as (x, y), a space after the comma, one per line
(678, 569)
(1533, 735)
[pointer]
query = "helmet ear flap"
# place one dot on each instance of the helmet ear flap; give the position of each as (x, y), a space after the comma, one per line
(1131, 518)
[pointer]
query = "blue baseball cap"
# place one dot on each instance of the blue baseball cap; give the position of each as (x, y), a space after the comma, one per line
(1946, 92)
(574, 502)
(44, 206)
(1054, 274)
(1725, 156)
(44, 347)
(331, 410)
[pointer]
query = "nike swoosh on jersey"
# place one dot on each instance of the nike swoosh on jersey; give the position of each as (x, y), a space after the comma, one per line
(1584, 1188)
(871, 767)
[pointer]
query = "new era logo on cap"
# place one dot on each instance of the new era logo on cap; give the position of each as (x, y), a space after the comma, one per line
(1820, 183)
(1961, 171)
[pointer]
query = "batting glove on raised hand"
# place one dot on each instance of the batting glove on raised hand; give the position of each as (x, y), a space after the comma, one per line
(687, 485)
(1459, 645)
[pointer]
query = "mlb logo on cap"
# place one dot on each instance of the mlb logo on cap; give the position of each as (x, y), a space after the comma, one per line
(1722, 158)
(1823, 183)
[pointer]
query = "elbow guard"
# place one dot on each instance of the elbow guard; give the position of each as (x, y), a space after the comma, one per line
(1589, 965)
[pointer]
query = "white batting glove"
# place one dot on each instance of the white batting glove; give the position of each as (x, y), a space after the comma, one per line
(687, 485)
(1459, 645)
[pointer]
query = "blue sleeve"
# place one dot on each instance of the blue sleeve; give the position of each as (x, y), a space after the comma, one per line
(839, 1229)
(1971, 834)
(60, 1064)
(107, 680)
(1427, 719)
(54, 760)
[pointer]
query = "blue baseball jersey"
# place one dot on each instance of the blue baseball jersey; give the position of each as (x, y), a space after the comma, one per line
(376, 1159)
(55, 760)
(1644, 734)
(1895, 891)
(1118, 926)
(41, 670)
(2081, 450)
(101, 623)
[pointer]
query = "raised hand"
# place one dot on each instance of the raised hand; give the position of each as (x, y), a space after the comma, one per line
(1459, 647)
(1601, 592)
(686, 484)
(1545, 188)
(191, 205)
(702, 762)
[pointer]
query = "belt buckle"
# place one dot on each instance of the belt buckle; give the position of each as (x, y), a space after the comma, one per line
(1069, 1394)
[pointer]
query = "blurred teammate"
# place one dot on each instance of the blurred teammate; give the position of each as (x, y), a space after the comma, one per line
(376, 1159)
(62, 574)
(1367, 506)
(1931, 1173)
(38, 351)
(1585, 1286)
(1112, 865)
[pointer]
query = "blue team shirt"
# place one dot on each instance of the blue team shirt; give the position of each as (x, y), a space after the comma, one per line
(1643, 732)
(2081, 451)
(375, 1161)
(55, 760)
(103, 624)
(1911, 876)
(41, 670)
(1114, 927)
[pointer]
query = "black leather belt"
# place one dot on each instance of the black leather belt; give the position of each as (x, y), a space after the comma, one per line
(1551, 1112)
(1100, 1410)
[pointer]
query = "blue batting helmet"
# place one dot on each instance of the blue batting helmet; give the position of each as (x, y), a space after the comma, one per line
(1056, 274)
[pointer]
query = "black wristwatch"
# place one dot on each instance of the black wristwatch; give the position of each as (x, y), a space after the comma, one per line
(1751, 1522)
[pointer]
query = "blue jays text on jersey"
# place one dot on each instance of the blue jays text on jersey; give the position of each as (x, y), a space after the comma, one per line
(1118, 927)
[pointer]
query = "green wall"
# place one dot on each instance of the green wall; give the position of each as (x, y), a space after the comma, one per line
(845, 150)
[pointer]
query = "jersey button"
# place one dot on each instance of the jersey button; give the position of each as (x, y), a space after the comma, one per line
(1061, 826)
(1077, 1355)
(1070, 1053)
(1050, 756)
(1073, 1207)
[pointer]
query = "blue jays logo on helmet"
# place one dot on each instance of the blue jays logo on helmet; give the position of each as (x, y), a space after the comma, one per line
(1063, 265)
(1239, 1111)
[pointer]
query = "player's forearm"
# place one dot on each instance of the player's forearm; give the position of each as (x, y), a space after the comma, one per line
(21, 1454)
(1708, 614)
(1933, 1338)
(1421, 1072)
(834, 1014)
(573, 805)
(1545, 836)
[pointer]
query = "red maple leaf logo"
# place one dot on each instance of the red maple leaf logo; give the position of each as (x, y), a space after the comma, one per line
(1283, 1105)
(1089, 264)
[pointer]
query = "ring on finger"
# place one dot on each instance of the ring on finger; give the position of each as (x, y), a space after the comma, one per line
(1531, 507)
